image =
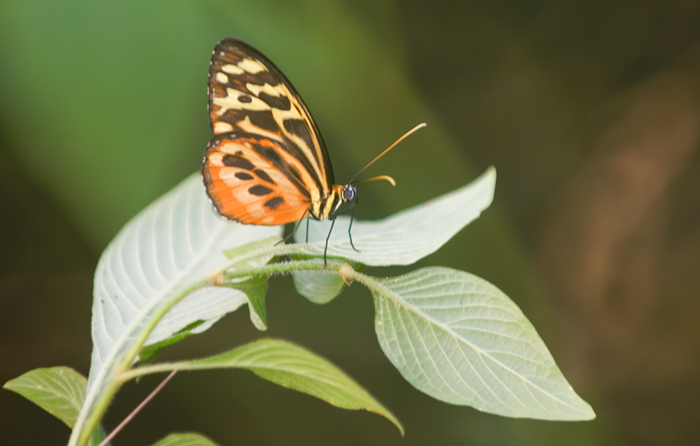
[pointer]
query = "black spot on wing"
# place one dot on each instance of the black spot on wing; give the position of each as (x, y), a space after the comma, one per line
(244, 176)
(274, 203)
(260, 190)
(240, 81)
(269, 153)
(237, 161)
(261, 119)
(259, 78)
(245, 98)
(264, 176)
(279, 102)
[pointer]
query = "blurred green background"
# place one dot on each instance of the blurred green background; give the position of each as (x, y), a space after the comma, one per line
(589, 110)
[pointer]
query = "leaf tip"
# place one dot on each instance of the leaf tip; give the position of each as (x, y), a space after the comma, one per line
(589, 414)
(489, 175)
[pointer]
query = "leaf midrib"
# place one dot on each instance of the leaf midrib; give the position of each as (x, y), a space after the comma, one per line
(378, 285)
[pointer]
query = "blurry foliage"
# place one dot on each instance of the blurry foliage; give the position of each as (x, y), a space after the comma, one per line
(578, 105)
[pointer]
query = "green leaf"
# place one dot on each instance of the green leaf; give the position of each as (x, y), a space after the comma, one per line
(290, 366)
(255, 289)
(98, 435)
(175, 241)
(188, 439)
(58, 390)
(252, 246)
(461, 340)
(319, 288)
(149, 353)
(407, 236)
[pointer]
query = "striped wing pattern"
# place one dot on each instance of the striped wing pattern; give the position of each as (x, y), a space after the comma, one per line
(267, 163)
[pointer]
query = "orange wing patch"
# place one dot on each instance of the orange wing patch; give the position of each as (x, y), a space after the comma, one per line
(249, 181)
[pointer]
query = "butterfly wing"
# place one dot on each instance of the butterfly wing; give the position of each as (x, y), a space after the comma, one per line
(262, 123)
(249, 180)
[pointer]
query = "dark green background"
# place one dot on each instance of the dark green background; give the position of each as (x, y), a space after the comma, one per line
(589, 110)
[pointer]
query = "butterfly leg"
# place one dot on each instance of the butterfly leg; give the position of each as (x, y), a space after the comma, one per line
(325, 250)
(288, 236)
(352, 216)
(307, 228)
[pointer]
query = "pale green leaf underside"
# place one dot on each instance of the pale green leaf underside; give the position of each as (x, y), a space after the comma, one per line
(461, 340)
(58, 390)
(319, 288)
(405, 237)
(175, 241)
(291, 366)
(188, 439)
(257, 244)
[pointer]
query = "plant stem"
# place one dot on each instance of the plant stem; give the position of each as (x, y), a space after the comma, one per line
(138, 408)
(85, 426)
(284, 268)
(128, 359)
(342, 269)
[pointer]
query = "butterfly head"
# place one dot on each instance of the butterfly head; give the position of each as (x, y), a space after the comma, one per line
(348, 193)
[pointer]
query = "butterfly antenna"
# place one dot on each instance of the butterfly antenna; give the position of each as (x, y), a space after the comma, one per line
(385, 177)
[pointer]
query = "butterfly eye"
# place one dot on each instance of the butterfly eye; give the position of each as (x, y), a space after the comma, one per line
(349, 192)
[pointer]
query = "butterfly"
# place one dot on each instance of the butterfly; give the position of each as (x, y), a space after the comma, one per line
(267, 163)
